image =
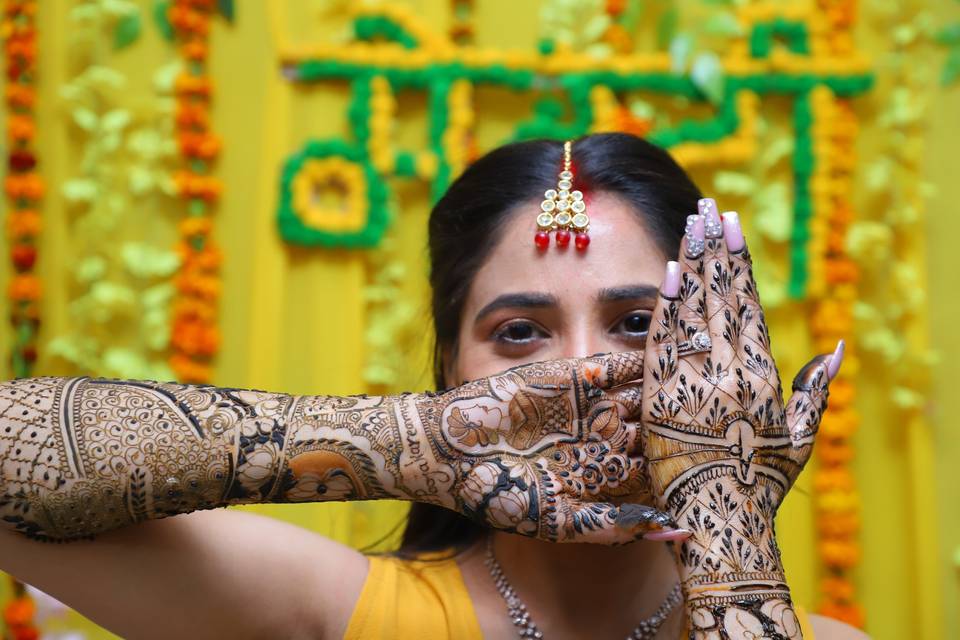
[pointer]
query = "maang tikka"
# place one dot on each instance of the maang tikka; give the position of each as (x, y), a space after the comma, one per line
(563, 210)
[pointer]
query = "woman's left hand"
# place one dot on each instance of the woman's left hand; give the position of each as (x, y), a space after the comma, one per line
(723, 448)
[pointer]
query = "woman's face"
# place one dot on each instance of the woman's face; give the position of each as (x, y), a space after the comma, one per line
(527, 305)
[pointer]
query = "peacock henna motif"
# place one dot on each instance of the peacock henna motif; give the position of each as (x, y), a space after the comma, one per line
(544, 450)
(722, 447)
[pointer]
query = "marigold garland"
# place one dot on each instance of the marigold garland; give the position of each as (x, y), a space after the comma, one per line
(195, 336)
(834, 278)
(23, 185)
(415, 57)
(24, 188)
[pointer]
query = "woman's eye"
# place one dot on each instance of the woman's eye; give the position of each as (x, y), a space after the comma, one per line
(518, 332)
(635, 323)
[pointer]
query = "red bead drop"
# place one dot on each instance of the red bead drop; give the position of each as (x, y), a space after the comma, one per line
(542, 240)
(563, 238)
(582, 241)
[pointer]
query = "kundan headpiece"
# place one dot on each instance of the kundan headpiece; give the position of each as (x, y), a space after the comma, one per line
(563, 210)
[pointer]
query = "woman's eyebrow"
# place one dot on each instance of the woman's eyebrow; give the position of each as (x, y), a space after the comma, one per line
(518, 300)
(628, 292)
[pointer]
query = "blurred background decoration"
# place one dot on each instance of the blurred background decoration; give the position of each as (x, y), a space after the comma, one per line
(236, 192)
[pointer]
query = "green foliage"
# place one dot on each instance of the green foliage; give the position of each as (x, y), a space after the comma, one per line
(226, 9)
(951, 68)
(161, 19)
(127, 30)
(121, 289)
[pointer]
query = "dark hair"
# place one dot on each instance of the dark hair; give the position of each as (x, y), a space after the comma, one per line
(464, 228)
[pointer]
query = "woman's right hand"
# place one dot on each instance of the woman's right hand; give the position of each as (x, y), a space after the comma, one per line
(547, 450)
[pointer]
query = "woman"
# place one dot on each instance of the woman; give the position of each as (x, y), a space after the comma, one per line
(679, 435)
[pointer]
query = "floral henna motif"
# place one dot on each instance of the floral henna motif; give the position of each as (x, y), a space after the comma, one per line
(542, 450)
(722, 448)
(546, 449)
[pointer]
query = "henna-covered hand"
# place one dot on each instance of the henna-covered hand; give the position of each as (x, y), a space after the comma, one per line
(547, 450)
(722, 446)
(542, 449)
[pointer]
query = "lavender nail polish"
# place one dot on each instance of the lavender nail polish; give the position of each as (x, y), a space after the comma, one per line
(671, 281)
(833, 367)
(733, 232)
(708, 209)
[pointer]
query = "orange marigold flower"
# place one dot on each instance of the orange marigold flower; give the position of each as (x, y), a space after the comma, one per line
(26, 633)
(186, 19)
(837, 588)
(842, 393)
(840, 553)
(202, 286)
(194, 309)
(210, 189)
(23, 186)
(840, 424)
(188, 85)
(841, 270)
(616, 7)
(191, 116)
(24, 256)
(628, 123)
(206, 260)
(195, 338)
(20, 95)
(199, 145)
(841, 215)
(618, 38)
(20, 128)
(195, 225)
(192, 185)
(195, 50)
(852, 614)
(22, 47)
(23, 223)
(834, 451)
(190, 371)
(19, 612)
(825, 479)
(24, 287)
(838, 525)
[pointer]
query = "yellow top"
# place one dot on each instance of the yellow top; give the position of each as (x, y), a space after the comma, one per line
(425, 599)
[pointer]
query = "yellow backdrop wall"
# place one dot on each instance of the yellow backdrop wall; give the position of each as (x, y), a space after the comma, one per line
(294, 319)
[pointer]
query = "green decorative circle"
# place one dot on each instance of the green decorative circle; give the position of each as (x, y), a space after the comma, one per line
(295, 230)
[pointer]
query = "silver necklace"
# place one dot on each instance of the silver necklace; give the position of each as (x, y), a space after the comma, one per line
(527, 628)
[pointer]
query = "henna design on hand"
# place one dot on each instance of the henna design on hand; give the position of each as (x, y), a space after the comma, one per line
(543, 450)
(722, 448)
(548, 450)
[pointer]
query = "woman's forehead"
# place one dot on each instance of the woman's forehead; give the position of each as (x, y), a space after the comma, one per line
(622, 253)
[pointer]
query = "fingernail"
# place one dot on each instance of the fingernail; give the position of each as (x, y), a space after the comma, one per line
(836, 360)
(732, 231)
(695, 235)
(671, 281)
(708, 209)
(669, 534)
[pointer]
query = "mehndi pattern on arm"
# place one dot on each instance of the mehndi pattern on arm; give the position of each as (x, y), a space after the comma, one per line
(538, 449)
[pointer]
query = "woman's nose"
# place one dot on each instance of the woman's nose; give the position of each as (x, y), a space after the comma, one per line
(583, 342)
